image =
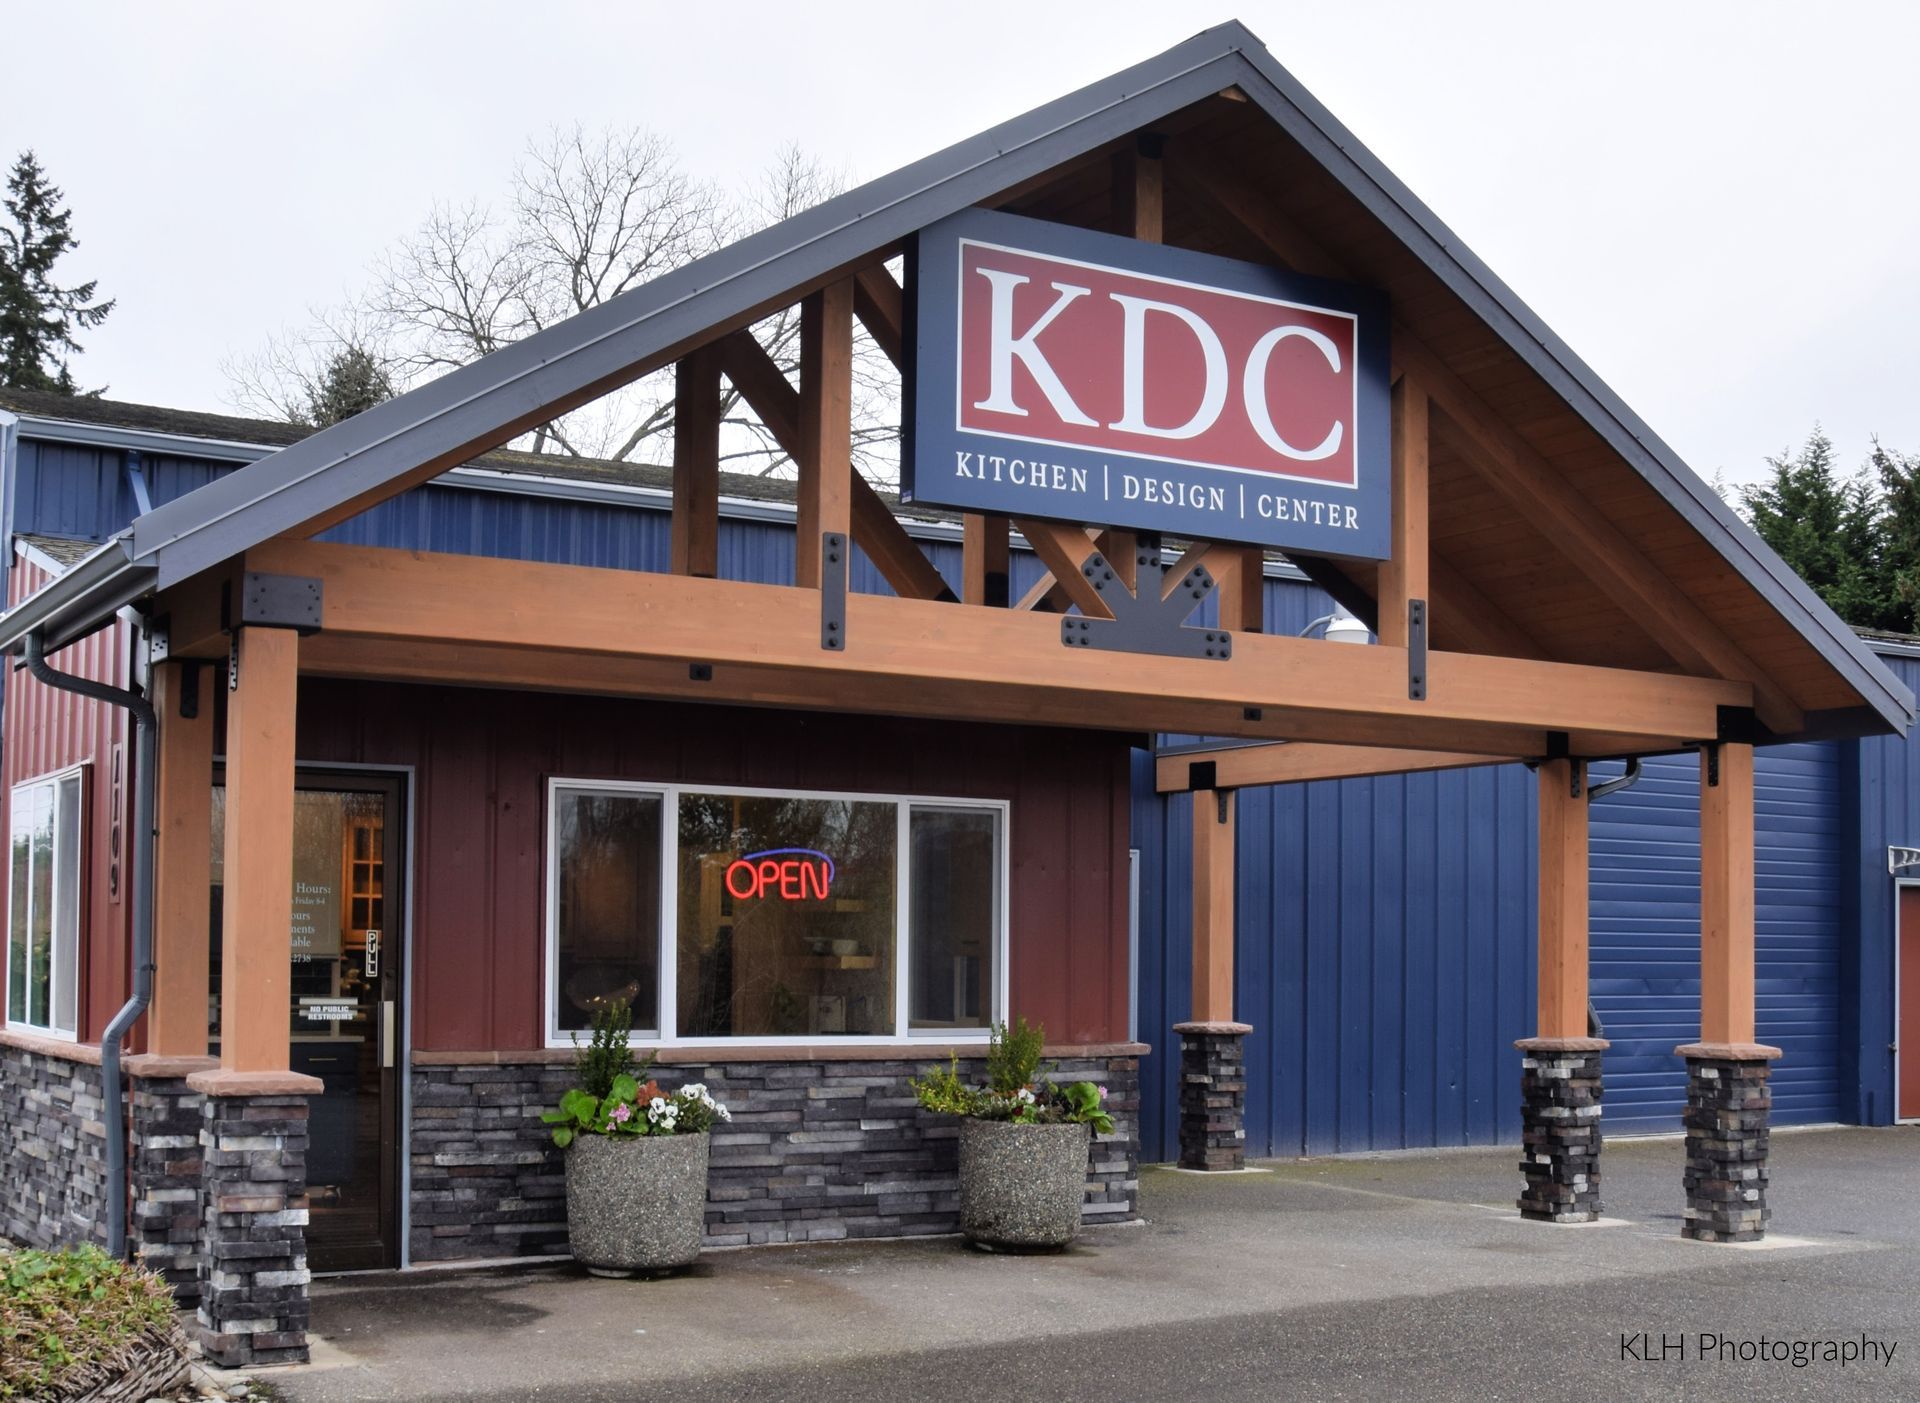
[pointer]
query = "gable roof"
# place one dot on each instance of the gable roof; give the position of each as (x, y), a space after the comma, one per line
(455, 418)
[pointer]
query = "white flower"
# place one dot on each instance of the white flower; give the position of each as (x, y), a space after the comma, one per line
(659, 1103)
(722, 1111)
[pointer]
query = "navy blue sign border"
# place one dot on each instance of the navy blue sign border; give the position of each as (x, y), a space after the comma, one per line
(931, 438)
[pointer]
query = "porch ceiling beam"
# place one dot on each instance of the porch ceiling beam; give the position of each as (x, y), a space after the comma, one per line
(1274, 686)
(1296, 762)
(1064, 550)
(879, 533)
(1512, 466)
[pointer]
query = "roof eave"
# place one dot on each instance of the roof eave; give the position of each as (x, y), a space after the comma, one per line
(79, 602)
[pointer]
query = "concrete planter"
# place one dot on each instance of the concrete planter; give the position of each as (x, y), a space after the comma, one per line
(1021, 1186)
(636, 1205)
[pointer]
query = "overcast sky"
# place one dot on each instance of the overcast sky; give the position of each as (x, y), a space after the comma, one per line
(1715, 204)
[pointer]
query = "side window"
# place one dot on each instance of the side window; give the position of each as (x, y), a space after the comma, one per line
(43, 906)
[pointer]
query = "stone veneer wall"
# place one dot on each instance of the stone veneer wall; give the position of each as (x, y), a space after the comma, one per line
(53, 1147)
(817, 1150)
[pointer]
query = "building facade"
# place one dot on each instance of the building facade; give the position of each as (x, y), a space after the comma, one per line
(349, 775)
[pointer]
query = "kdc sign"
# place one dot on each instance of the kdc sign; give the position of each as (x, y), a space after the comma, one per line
(1084, 377)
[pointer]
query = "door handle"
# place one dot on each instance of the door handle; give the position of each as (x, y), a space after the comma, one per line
(386, 1033)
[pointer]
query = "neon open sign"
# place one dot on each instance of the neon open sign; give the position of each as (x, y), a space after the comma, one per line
(786, 874)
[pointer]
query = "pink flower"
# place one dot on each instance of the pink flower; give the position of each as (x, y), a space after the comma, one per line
(1103, 1093)
(621, 1115)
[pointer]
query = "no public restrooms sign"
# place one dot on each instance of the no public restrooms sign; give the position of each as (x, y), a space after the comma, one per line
(1079, 376)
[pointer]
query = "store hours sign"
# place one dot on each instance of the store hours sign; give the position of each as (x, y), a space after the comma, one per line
(1079, 376)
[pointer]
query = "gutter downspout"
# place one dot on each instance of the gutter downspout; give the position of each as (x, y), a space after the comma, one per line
(145, 752)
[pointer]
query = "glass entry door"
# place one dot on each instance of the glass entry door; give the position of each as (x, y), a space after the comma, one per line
(345, 915)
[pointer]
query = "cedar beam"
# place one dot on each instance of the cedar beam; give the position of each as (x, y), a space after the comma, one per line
(1511, 465)
(986, 564)
(183, 856)
(1213, 861)
(1297, 762)
(1726, 894)
(695, 530)
(825, 460)
(1563, 899)
(900, 562)
(880, 305)
(1403, 575)
(1064, 550)
(1240, 572)
(1602, 551)
(419, 597)
(1469, 622)
(256, 951)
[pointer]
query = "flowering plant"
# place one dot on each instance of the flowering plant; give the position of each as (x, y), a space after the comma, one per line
(1017, 1088)
(633, 1108)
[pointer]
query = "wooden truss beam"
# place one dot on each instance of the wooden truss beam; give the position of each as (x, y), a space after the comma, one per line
(1512, 466)
(1299, 762)
(695, 530)
(767, 392)
(989, 662)
(825, 459)
(1064, 550)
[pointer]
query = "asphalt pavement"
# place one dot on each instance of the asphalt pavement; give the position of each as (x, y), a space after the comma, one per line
(1379, 1277)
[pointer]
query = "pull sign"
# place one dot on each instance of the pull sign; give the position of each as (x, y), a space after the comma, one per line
(373, 954)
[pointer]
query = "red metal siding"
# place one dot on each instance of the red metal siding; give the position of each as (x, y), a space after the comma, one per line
(482, 759)
(48, 731)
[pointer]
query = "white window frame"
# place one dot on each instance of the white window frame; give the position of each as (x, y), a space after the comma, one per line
(52, 779)
(667, 1034)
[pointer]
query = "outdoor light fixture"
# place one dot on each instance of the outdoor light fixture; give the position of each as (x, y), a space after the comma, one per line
(1339, 627)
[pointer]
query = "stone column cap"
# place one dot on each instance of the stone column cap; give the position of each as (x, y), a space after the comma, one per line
(1562, 1044)
(220, 1082)
(160, 1064)
(1728, 1052)
(1217, 1027)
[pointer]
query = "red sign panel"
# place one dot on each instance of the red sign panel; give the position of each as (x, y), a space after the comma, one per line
(1063, 352)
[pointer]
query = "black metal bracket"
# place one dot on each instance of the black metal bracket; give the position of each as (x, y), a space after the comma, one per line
(1143, 620)
(1202, 773)
(833, 591)
(1417, 649)
(1578, 769)
(281, 601)
(1712, 751)
(1559, 745)
(998, 592)
(1224, 798)
(1736, 725)
(700, 672)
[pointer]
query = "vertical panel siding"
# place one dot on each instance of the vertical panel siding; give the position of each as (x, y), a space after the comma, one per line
(482, 759)
(49, 730)
(1884, 776)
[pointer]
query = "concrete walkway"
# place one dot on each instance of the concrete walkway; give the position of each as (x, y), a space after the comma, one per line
(1406, 1276)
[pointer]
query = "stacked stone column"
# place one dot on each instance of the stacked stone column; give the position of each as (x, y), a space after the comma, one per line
(253, 1271)
(1729, 1108)
(1560, 1089)
(164, 1166)
(1213, 1095)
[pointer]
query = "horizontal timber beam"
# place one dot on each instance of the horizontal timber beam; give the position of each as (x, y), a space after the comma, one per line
(1295, 762)
(984, 662)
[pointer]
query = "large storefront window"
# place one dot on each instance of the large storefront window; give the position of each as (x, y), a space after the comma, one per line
(43, 906)
(791, 916)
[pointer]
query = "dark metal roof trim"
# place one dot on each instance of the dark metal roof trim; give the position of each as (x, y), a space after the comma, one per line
(466, 410)
(76, 603)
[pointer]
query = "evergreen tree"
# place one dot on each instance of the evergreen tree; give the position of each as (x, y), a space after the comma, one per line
(351, 381)
(38, 317)
(1827, 528)
(1899, 480)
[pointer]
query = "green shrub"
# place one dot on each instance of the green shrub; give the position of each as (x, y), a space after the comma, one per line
(67, 1318)
(606, 1056)
(1013, 1057)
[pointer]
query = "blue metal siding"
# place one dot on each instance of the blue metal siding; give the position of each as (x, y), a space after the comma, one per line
(1646, 932)
(1885, 775)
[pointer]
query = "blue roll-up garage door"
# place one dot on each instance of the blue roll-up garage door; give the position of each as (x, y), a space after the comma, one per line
(1646, 933)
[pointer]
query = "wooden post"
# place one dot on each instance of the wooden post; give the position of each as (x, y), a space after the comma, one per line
(182, 863)
(1726, 895)
(696, 464)
(1403, 577)
(985, 561)
(1213, 815)
(1563, 899)
(826, 425)
(257, 922)
(1243, 583)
